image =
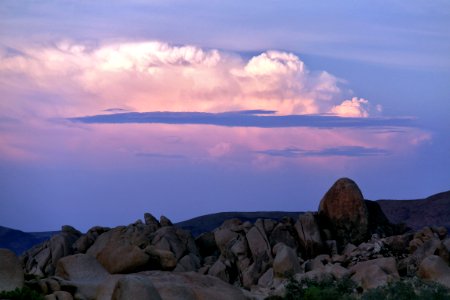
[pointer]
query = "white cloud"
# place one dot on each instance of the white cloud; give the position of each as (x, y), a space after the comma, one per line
(156, 76)
(356, 107)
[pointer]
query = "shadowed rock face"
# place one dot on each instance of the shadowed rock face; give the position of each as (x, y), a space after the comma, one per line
(11, 273)
(343, 212)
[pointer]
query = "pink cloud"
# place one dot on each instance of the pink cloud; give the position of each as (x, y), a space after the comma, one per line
(356, 107)
(72, 79)
(155, 76)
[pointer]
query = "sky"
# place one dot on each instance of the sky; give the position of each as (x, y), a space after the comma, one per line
(109, 109)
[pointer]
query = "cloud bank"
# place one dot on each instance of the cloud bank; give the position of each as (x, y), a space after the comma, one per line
(93, 104)
(156, 76)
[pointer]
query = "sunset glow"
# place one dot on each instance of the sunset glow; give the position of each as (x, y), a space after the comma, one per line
(153, 110)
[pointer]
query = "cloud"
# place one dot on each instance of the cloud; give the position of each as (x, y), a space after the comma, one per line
(268, 101)
(350, 151)
(160, 155)
(80, 78)
(115, 110)
(352, 108)
(257, 118)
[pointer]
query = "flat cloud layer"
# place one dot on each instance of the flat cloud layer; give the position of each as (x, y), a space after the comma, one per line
(246, 118)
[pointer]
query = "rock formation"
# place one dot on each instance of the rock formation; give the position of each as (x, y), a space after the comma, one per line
(343, 212)
(11, 273)
(348, 238)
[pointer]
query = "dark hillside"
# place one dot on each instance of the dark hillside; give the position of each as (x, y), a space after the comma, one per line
(431, 211)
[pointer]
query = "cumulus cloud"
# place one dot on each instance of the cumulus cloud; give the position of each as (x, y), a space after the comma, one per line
(356, 107)
(156, 76)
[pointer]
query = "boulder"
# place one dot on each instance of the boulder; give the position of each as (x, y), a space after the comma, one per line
(436, 269)
(87, 240)
(131, 287)
(121, 250)
(59, 295)
(187, 263)
(337, 271)
(374, 273)
(258, 243)
(284, 233)
(164, 221)
(251, 275)
(174, 239)
(398, 244)
(427, 248)
(286, 262)
(219, 270)
(80, 267)
(161, 259)
(48, 285)
(81, 272)
(267, 224)
(11, 273)
(240, 248)
(151, 221)
(266, 279)
(224, 237)
(309, 235)
(441, 232)
(343, 211)
(192, 286)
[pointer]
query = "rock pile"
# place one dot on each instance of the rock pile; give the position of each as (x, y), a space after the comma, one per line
(347, 238)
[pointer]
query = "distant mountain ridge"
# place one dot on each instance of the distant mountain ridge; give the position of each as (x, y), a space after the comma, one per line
(19, 241)
(431, 211)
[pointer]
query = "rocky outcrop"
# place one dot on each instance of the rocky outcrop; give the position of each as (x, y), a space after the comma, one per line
(343, 212)
(11, 273)
(41, 260)
(348, 238)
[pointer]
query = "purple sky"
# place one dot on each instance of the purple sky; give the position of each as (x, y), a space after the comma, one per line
(110, 109)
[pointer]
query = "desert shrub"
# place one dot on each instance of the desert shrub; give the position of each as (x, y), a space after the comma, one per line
(404, 289)
(320, 290)
(409, 289)
(21, 294)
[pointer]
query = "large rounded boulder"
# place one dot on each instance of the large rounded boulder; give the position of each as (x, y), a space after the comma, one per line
(343, 212)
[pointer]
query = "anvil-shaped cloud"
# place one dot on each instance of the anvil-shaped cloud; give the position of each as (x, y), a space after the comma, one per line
(265, 108)
(156, 76)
